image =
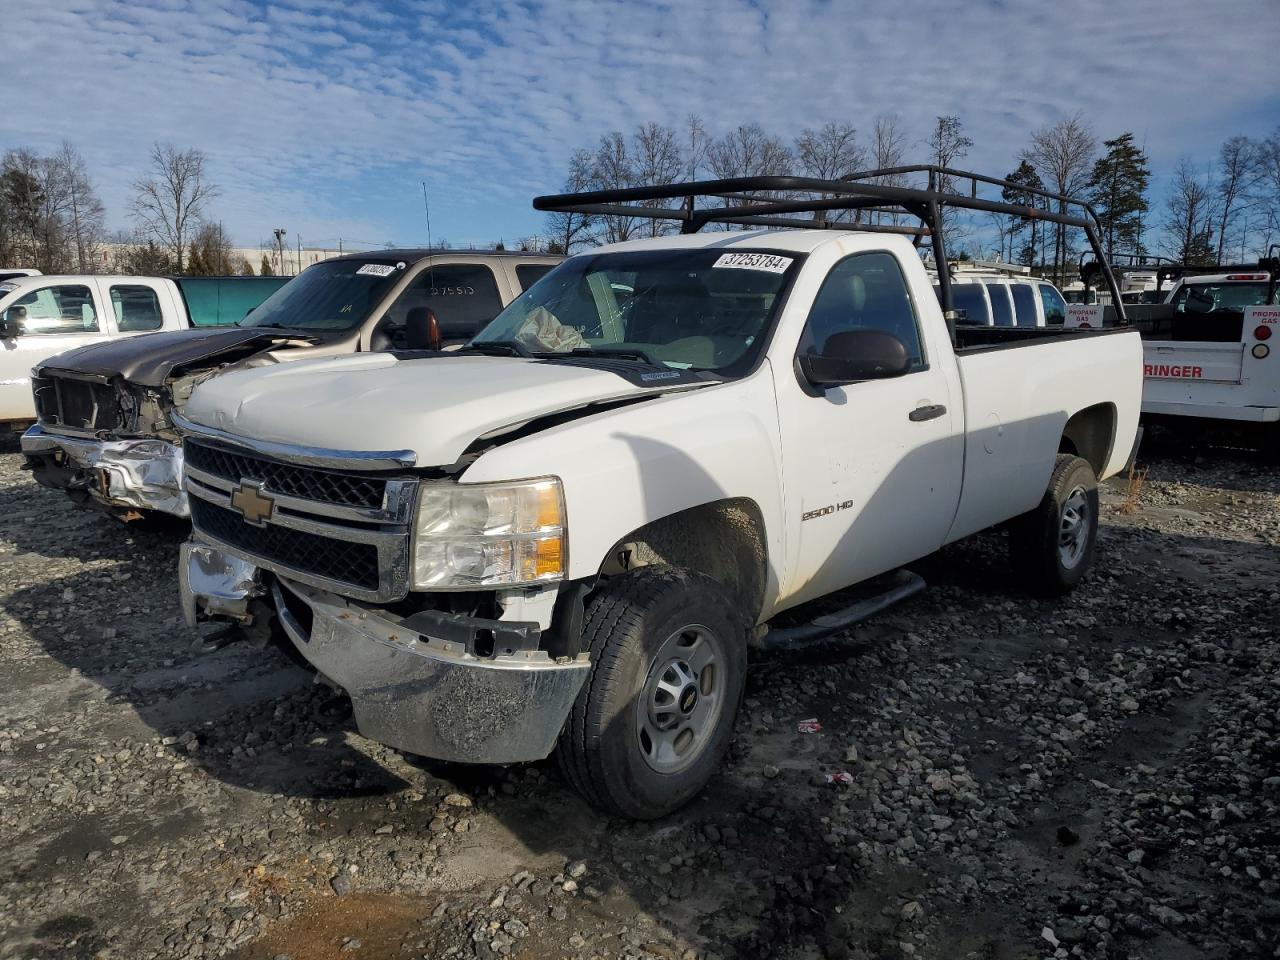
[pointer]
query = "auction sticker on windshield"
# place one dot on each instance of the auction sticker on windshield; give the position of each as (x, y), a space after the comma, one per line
(768, 262)
(376, 270)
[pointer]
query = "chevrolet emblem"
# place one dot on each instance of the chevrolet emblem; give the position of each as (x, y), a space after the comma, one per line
(254, 505)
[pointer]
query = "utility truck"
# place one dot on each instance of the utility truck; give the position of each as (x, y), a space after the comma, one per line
(105, 433)
(1210, 346)
(568, 535)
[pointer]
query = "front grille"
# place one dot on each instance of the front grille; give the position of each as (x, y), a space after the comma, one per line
(337, 560)
(78, 404)
(324, 486)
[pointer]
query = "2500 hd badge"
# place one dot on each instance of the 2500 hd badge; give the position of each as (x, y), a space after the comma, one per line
(826, 511)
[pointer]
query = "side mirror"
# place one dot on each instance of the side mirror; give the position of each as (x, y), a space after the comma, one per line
(12, 321)
(421, 329)
(854, 355)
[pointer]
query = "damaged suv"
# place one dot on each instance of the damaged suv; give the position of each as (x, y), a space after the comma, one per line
(105, 432)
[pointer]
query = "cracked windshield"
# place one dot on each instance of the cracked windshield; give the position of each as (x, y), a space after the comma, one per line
(686, 309)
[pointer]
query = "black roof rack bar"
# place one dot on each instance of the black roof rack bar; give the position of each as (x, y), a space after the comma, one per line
(766, 221)
(755, 219)
(845, 194)
(935, 173)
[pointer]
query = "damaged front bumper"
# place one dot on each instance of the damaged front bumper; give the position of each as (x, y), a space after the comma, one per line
(213, 585)
(140, 474)
(416, 683)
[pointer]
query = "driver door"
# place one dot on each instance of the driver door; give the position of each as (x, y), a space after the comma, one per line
(873, 469)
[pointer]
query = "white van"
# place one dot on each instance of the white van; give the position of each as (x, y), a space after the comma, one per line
(994, 300)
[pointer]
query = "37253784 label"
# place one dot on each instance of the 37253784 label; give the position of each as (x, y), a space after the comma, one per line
(766, 262)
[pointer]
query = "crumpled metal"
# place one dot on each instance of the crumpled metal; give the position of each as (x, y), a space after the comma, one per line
(215, 584)
(145, 474)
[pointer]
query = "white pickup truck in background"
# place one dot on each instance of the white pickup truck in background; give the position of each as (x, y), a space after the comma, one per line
(14, 273)
(105, 433)
(42, 316)
(567, 535)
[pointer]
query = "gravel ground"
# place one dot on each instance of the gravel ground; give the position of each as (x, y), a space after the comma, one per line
(993, 776)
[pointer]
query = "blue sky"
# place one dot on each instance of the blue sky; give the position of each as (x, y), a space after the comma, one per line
(324, 116)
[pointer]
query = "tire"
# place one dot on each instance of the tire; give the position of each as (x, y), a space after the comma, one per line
(1048, 563)
(650, 634)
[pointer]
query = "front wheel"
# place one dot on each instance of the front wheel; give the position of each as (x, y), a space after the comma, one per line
(653, 720)
(1051, 547)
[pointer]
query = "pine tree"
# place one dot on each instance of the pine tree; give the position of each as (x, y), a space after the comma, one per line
(265, 269)
(1025, 176)
(1118, 187)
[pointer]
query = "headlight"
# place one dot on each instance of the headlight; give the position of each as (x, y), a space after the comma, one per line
(488, 534)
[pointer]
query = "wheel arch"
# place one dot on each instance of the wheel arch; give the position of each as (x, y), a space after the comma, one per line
(723, 539)
(1090, 434)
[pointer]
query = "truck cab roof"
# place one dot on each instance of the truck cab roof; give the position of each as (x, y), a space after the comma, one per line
(414, 254)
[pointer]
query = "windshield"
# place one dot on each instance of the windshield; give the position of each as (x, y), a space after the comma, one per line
(700, 309)
(331, 295)
(1213, 297)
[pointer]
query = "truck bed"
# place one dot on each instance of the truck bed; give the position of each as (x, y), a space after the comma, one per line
(1017, 404)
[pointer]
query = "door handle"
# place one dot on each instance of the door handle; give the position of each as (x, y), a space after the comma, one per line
(927, 412)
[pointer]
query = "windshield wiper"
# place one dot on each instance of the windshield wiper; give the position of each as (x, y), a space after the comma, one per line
(507, 348)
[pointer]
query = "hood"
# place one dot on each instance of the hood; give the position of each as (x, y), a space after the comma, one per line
(148, 359)
(434, 406)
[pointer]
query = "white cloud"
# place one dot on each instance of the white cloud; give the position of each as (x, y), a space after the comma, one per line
(325, 116)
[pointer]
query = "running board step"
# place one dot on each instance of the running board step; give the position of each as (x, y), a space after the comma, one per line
(896, 588)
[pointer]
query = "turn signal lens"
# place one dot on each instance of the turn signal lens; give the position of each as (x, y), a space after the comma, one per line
(1262, 333)
(1261, 351)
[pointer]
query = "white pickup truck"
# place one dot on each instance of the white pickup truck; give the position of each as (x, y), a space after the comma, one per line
(42, 316)
(567, 535)
(105, 433)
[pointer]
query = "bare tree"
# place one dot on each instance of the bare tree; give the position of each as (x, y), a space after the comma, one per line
(613, 168)
(565, 231)
(169, 203)
(50, 217)
(888, 150)
(211, 253)
(696, 145)
(656, 159)
(947, 144)
(1268, 185)
(1188, 220)
(749, 152)
(830, 154)
(1063, 155)
(87, 215)
(1239, 169)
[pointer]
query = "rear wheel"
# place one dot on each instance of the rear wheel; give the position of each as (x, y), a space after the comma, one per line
(1052, 547)
(653, 721)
